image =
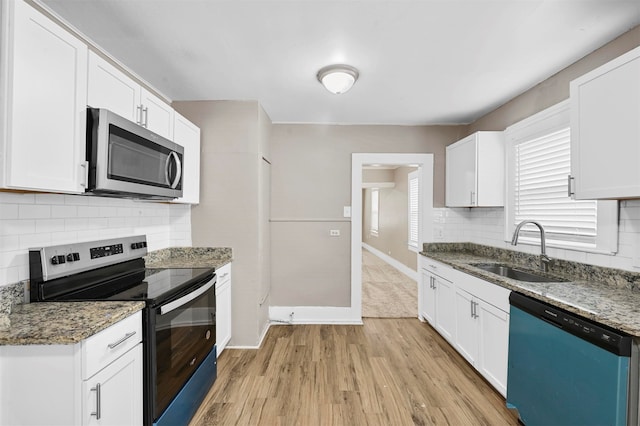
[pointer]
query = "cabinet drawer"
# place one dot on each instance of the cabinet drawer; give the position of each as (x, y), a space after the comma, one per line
(102, 348)
(437, 268)
(223, 275)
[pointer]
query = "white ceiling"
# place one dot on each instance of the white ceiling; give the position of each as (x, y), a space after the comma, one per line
(420, 61)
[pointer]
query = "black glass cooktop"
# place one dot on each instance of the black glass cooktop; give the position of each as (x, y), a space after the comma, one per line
(153, 286)
(162, 283)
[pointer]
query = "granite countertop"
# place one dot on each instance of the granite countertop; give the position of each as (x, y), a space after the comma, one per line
(62, 323)
(189, 257)
(606, 295)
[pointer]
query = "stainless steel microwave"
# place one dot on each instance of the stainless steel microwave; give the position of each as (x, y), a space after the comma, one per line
(127, 160)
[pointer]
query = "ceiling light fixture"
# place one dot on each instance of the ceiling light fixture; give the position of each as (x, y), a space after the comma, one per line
(338, 78)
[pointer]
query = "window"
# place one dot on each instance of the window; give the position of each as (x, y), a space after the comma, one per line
(375, 206)
(538, 166)
(413, 197)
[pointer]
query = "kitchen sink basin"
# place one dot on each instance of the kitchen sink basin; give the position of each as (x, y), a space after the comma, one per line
(515, 273)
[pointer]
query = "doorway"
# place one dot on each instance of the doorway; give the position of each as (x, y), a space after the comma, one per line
(424, 164)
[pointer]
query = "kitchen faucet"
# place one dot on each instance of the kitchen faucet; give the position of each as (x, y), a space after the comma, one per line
(544, 259)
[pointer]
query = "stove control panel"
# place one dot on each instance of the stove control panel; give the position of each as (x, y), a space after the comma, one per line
(67, 259)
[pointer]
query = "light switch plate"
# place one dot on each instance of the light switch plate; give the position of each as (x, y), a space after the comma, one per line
(347, 211)
(334, 232)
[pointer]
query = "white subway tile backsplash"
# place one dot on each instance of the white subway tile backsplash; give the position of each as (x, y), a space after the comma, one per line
(32, 220)
(17, 227)
(8, 211)
(64, 211)
(35, 211)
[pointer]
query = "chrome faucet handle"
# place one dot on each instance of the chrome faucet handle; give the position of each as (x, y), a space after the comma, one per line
(545, 261)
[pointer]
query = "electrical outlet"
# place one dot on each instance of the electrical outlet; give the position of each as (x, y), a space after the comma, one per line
(334, 233)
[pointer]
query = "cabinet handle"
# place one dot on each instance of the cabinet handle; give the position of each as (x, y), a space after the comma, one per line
(474, 309)
(139, 115)
(570, 193)
(85, 174)
(224, 275)
(471, 306)
(98, 411)
(145, 110)
(434, 267)
(473, 198)
(120, 341)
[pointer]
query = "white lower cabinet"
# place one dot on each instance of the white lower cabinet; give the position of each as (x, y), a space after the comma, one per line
(493, 345)
(95, 382)
(107, 396)
(472, 314)
(436, 300)
(223, 307)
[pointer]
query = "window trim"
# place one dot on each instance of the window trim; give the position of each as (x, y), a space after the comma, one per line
(554, 118)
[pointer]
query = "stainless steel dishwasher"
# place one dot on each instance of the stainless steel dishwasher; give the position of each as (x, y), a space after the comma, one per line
(567, 370)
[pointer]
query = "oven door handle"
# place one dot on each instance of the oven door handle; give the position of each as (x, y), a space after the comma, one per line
(165, 309)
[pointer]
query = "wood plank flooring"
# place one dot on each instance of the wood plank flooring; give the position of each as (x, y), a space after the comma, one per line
(385, 372)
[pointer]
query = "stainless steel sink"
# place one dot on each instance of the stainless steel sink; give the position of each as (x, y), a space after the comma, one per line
(515, 273)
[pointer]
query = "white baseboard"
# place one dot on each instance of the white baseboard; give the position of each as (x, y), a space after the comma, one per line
(391, 261)
(264, 333)
(312, 315)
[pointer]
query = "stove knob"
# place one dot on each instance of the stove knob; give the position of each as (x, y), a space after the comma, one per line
(76, 256)
(70, 257)
(58, 260)
(134, 246)
(54, 260)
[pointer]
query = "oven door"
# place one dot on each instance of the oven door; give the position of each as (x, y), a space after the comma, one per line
(184, 334)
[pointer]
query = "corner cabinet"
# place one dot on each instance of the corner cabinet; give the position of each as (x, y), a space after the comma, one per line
(44, 93)
(471, 314)
(605, 130)
(223, 307)
(187, 134)
(110, 88)
(475, 171)
(95, 382)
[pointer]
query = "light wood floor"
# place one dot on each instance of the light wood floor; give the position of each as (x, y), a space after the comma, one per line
(386, 292)
(386, 372)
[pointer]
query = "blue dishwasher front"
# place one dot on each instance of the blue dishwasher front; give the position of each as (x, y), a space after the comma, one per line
(566, 370)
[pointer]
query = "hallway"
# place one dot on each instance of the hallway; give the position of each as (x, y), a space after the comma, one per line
(386, 292)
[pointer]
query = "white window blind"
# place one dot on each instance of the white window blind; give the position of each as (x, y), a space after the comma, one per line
(413, 197)
(375, 204)
(542, 166)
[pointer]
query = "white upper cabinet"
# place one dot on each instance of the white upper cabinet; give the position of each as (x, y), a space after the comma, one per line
(156, 115)
(605, 130)
(43, 80)
(187, 134)
(475, 171)
(112, 89)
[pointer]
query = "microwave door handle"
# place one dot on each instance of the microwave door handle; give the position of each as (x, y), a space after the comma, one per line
(167, 170)
(171, 306)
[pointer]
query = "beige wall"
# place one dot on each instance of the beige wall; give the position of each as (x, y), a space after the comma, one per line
(231, 213)
(310, 184)
(556, 88)
(393, 223)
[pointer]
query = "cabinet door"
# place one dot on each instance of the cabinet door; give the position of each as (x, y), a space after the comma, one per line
(223, 316)
(605, 130)
(466, 326)
(112, 89)
(45, 98)
(493, 345)
(157, 115)
(427, 298)
(114, 395)
(445, 308)
(461, 173)
(187, 134)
